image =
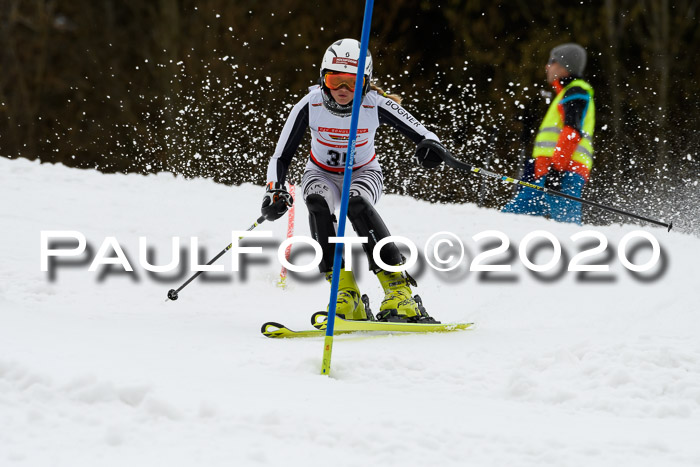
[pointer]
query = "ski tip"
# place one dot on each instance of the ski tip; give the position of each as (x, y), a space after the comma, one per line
(270, 328)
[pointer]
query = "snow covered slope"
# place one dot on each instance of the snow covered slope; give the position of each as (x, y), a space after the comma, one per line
(561, 369)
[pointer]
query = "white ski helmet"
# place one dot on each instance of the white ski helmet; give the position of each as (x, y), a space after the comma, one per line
(343, 56)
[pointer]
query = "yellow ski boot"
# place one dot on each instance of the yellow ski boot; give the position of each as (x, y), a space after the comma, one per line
(398, 300)
(399, 303)
(349, 304)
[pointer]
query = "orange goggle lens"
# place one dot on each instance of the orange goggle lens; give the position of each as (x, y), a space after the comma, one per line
(336, 80)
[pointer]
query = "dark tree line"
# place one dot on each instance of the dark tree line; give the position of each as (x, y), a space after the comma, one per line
(202, 88)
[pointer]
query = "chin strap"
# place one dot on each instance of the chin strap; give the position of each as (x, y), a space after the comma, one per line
(333, 107)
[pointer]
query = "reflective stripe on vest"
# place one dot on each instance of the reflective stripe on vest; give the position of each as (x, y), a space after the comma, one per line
(552, 125)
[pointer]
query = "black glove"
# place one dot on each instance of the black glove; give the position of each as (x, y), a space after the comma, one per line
(276, 201)
(554, 179)
(429, 153)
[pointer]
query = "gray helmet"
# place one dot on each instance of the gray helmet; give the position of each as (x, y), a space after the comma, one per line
(571, 56)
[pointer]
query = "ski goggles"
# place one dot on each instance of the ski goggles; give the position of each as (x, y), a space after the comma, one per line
(336, 80)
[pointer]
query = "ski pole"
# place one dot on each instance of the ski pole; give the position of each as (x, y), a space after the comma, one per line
(457, 164)
(172, 293)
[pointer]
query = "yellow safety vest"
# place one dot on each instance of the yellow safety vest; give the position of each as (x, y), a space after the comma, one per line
(552, 125)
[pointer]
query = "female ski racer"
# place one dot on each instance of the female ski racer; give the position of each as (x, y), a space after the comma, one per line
(326, 110)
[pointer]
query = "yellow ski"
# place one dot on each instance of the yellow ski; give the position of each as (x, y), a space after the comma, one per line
(342, 326)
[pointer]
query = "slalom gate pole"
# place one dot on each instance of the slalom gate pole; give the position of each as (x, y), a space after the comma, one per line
(172, 293)
(282, 283)
(457, 164)
(347, 178)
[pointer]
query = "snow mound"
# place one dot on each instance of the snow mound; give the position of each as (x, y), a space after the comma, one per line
(562, 368)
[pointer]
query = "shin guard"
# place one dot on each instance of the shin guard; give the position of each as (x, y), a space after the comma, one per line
(367, 223)
(322, 225)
